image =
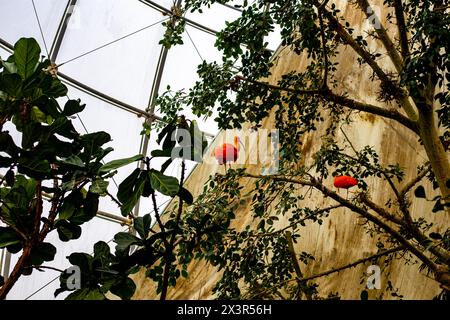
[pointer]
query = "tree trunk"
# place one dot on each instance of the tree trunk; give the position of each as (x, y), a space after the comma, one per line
(15, 274)
(436, 153)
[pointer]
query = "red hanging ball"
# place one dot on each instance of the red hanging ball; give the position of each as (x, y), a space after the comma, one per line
(345, 182)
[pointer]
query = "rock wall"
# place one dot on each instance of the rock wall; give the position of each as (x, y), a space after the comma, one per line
(341, 239)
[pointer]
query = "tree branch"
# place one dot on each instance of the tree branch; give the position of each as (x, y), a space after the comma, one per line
(343, 101)
(383, 35)
(170, 247)
(367, 57)
(414, 181)
(354, 264)
(293, 224)
(382, 212)
(324, 48)
(401, 25)
(362, 212)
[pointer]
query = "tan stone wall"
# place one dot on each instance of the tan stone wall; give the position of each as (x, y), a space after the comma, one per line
(340, 239)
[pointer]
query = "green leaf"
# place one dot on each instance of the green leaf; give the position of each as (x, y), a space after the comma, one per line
(168, 186)
(31, 134)
(438, 206)
(74, 160)
(161, 153)
(82, 260)
(420, 192)
(26, 56)
(9, 177)
(72, 107)
(186, 196)
(64, 127)
(364, 295)
(435, 236)
(115, 164)
(37, 115)
(142, 225)
(12, 85)
(68, 231)
(57, 89)
(86, 294)
(99, 186)
(125, 289)
(8, 237)
(130, 190)
(34, 168)
(43, 252)
(102, 252)
(125, 240)
(10, 67)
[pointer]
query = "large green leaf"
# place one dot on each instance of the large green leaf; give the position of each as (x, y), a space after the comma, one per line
(124, 289)
(26, 56)
(168, 186)
(12, 85)
(67, 231)
(72, 107)
(82, 260)
(86, 294)
(43, 252)
(115, 164)
(74, 160)
(142, 225)
(186, 195)
(125, 240)
(99, 186)
(34, 168)
(130, 190)
(8, 237)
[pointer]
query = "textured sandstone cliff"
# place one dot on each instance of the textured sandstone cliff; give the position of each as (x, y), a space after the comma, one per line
(341, 238)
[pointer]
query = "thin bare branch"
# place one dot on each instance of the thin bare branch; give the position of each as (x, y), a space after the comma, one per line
(354, 264)
(415, 181)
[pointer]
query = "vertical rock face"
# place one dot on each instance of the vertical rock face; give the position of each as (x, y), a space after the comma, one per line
(341, 238)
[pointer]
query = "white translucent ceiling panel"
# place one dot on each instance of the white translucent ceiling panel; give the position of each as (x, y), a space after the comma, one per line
(124, 128)
(93, 231)
(4, 54)
(214, 17)
(180, 71)
(18, 19)
(124, 69)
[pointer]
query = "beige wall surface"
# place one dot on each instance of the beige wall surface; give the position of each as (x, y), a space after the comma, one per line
(341, 239)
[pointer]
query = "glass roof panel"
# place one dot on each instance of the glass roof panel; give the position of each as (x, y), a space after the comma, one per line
(124, 128)
(18, 19)
(214, 17)
(123, 69)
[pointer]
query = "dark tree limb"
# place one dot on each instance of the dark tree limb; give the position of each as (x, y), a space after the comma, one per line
(401, 25)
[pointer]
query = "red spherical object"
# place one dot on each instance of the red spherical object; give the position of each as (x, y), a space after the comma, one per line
(345, 182)
(225, 153)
